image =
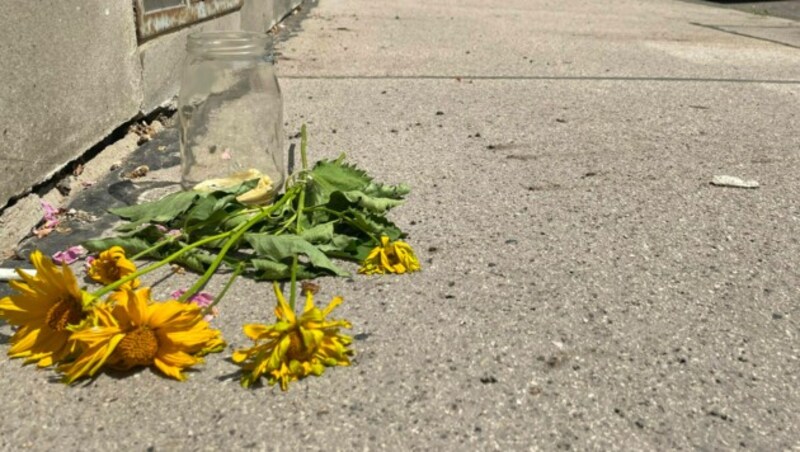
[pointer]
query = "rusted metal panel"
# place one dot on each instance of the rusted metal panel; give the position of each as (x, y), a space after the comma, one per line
(155, 17)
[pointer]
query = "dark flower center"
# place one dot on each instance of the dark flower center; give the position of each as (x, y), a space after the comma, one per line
(298, 349)
(137, 348)
(111, 268)
(66, 311)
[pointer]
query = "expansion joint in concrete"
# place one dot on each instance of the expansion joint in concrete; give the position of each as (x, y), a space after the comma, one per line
(542, 77)
(745, 35)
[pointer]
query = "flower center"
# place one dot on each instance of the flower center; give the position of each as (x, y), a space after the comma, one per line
(66, 311)
(138, 348)
(112, 269)
(298, 349)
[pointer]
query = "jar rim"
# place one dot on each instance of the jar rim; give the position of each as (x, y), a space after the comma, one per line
(229, 43)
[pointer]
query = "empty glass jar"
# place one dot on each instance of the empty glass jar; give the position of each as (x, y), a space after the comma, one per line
(230, 112)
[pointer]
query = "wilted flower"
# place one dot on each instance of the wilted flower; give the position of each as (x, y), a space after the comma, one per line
(131, 331)
(390, 257)
(292, 348)
(111, 266)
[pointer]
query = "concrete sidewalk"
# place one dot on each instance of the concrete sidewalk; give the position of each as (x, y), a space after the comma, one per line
(583, 285)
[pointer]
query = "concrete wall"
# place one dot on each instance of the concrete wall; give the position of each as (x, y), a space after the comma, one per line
(72, 72)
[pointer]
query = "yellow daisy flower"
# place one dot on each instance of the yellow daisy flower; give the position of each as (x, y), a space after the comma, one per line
(130, 330)
(390, 257)
(43, 308)
(112, 265)
(294, 348)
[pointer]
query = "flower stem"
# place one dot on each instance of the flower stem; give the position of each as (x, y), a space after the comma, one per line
(152, 248)
(304, 147)
(301, 202)
(286, 225)
(344, 218)
(158, 264)
(234, 237)
(236, 272)
(293, 284)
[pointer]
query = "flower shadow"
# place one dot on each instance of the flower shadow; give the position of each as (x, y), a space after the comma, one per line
(114, 374)
(235, 375)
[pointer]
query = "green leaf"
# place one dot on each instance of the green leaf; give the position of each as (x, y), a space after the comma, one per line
(347, 247)
(340, 175)
(202, 209)
(328, 176)
(387, 191)
(268, 269)
(271, 270)
(320, 233)
(162, 211)
(196, 260)
(339, 201)
(282, 247)
(131, 245)
(376, 225)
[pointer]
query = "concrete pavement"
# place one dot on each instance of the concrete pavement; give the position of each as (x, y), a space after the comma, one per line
(583, 285)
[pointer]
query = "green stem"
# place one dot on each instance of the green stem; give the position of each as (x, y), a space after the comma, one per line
(236, 234)
(286, 225)
(158, 245)
(297, 230)
(161, 263)
(301, 202)
(218, 298)
(304, 147)
(344, 218)
(293, 286)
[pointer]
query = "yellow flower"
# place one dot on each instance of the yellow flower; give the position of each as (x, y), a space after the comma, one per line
(395, 257)
(130, 330)
(111, 266)
(43, 307)
(294, 348)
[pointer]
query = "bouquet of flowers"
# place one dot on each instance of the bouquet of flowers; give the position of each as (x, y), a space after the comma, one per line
(330, 211)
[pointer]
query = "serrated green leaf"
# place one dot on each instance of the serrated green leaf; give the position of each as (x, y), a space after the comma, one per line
(376, 225)
(387, 191)
(328, 176)
(342, 200)
(282, 247)
(162, 211)
(340, 175)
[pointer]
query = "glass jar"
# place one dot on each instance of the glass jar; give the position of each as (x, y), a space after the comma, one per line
(230, 112)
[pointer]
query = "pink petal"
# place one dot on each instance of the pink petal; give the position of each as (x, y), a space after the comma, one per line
(50, 212)
(201, 299)
(69, 255)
